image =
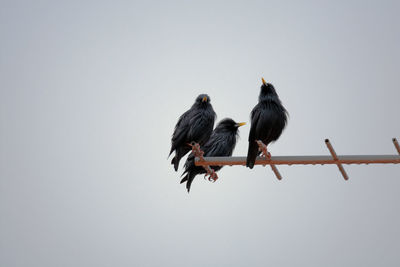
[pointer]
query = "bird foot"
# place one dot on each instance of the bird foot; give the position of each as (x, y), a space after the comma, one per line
(212, 175)
(196, 150)
(263, 148)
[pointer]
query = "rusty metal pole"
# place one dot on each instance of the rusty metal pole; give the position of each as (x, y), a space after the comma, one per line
(267, 156)
(301, 160)
(396, 144)
(335, 157)
(206, 162)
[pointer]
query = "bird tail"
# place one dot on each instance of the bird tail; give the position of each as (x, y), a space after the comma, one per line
(188, 179)
(175, 162)
(252, 154)
(184, 179)
(170, 152)
(179, 153)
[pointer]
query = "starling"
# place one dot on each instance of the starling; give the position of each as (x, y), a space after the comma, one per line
(222, 142)
(195, 125)
(268, 119)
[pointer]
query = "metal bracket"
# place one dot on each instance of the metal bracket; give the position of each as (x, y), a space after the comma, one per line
(335, 157)
(267, 156)
(267, 159)
(396, 144)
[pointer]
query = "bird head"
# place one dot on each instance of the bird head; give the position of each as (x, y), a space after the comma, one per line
(267, 91)
(202, 99)
(229, 125)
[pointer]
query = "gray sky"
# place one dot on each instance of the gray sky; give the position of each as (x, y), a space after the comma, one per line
(90, 93)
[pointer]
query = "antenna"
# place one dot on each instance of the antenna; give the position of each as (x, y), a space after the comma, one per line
(267, 159)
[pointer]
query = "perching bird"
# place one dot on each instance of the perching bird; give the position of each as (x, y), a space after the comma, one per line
(195, 125)
(268, 119)
(222, 142)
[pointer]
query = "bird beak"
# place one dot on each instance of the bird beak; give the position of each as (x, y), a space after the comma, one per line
(205, 99)
(263, 81)
(240, 124)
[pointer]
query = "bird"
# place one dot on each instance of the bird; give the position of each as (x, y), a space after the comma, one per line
(195, 125)
(222, 142)
(268, 119)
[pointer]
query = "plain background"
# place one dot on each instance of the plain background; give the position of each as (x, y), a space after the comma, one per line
(90, 92)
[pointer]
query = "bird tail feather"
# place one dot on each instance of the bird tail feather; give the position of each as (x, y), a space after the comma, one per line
(184, 178)
(188, 179)
(252, 154)
(175, 161)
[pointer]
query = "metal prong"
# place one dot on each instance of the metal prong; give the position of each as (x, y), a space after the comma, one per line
(275, 170)
(334, 156)
(396, 144)
(267, 155)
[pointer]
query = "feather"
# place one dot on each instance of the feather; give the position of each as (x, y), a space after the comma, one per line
(268, 119)
(195, 125)
(221, 143)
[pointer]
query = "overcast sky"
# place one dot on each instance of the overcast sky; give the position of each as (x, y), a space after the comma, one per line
(90, 92)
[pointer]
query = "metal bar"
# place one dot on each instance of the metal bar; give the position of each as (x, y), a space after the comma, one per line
(334, 156)
(302, 160)
(267, 159)
(396, 144)
(275, 170)
(267, 156)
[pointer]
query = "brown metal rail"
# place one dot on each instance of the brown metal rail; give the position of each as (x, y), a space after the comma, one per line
(338, 160)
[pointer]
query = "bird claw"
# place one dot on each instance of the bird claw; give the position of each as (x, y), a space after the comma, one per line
(212, 176)
(263, 148)
(200, 154)
(196, 150)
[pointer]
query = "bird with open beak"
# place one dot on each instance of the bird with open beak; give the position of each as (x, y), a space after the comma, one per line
(222, 142)
(268, 119)
(195, 125)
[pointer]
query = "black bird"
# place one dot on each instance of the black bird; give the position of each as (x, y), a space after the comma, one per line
(222, 142)
(268, 119)
(195, 125)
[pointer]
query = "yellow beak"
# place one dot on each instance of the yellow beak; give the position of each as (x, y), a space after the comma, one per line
(263, 81)
(204, 99)
(241, 124)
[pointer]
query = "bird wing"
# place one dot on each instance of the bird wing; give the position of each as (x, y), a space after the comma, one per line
(180, 131)
(264, 126)
(200, 127)
(219, 148)
(255, 116)
(269, 126)
(253, 147)
(263, 120)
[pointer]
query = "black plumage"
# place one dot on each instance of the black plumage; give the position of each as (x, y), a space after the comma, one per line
(222, 142)
(195, 125)
(268, 119)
